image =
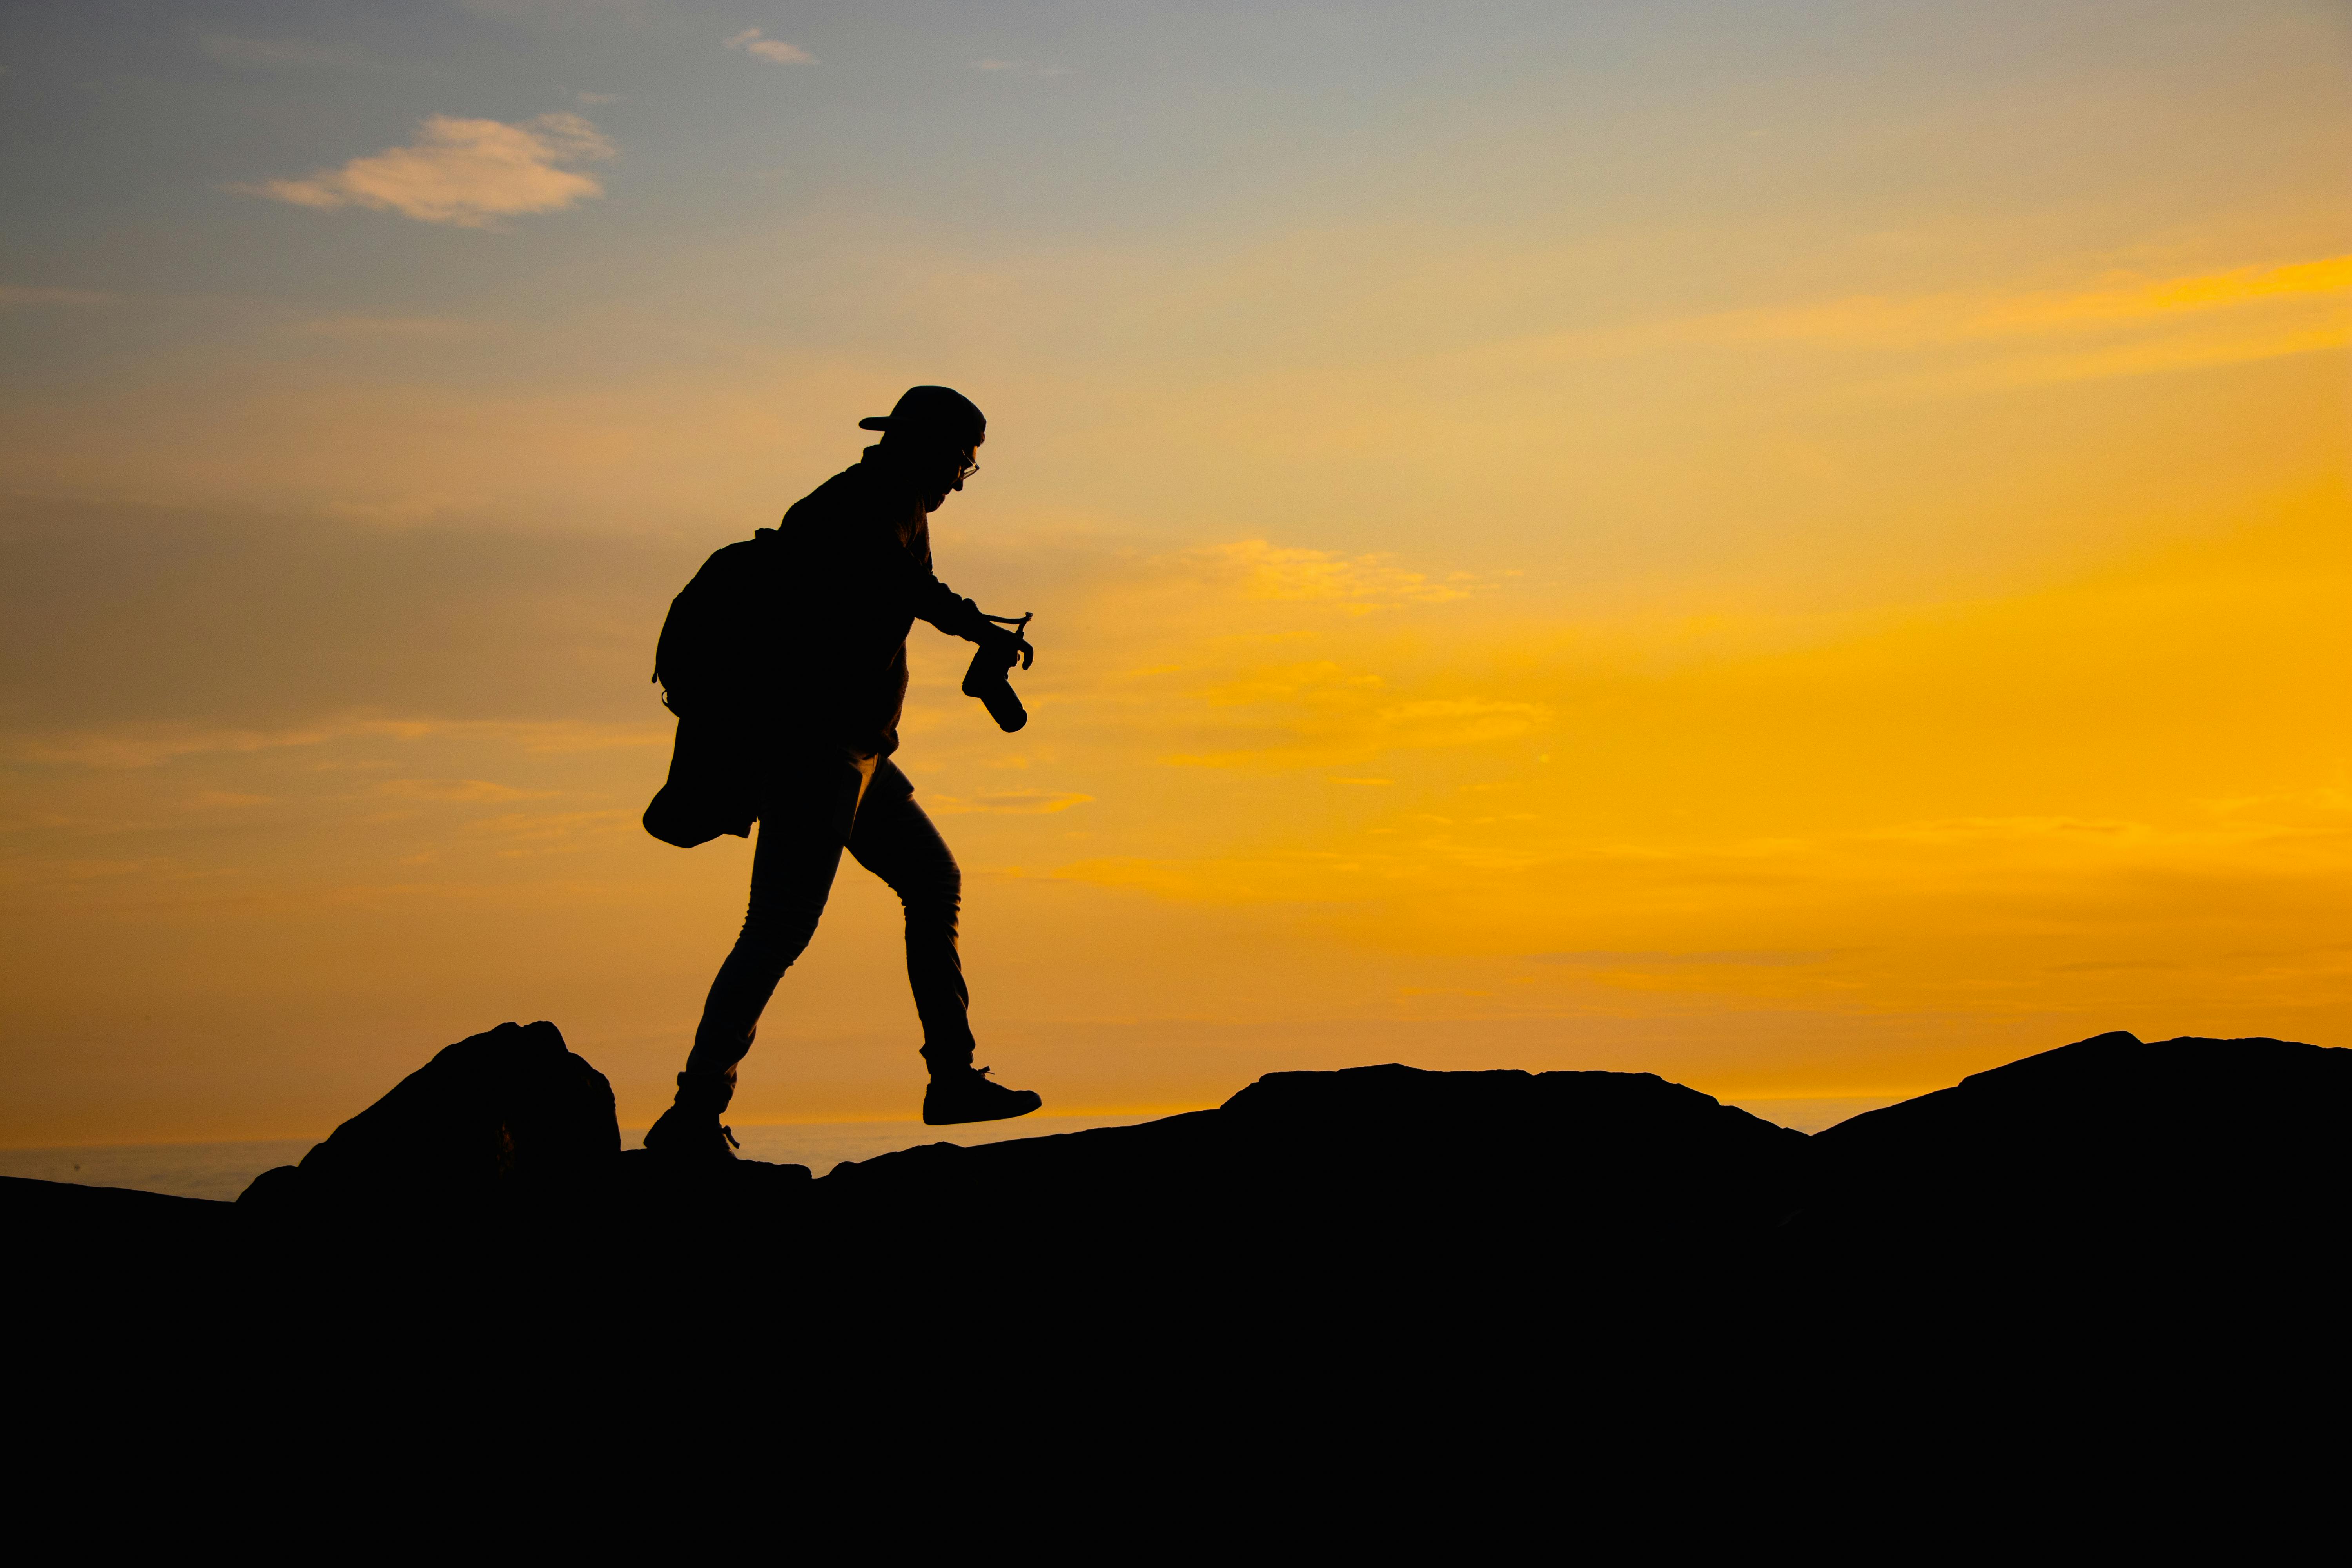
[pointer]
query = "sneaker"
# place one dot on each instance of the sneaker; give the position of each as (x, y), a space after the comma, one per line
(966, 1095)
(685, 1133)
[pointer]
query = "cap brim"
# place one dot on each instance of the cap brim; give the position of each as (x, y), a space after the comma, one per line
(876, 423)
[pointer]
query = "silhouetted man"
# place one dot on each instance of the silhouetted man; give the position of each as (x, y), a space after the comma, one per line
(786, 661)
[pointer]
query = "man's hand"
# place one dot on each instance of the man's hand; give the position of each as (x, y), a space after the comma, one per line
(1006, 640)
(1028, 655)
(1000, 649)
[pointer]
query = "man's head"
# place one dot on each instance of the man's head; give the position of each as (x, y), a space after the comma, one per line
(933, 434)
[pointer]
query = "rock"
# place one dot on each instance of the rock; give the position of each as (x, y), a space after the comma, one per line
(512, 1105)
(2094, 1154)
(1569, 1150)
(664, 1195)
(34, 1211)
(1572, 1208)
(1372, 1184)
(110, 1266)
(1601, 1253)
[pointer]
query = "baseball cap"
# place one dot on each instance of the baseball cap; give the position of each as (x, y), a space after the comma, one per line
(933, 411)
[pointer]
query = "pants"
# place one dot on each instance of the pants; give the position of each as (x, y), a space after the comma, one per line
(812, 807)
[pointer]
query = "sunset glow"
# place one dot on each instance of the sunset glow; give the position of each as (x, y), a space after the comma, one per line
(1802, 548)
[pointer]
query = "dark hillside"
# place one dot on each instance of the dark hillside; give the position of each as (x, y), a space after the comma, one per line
(1379, 1159)
(2070, 1215)
(2105, 1148)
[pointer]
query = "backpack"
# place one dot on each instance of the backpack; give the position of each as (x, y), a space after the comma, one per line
(705, 647)
(703, 662)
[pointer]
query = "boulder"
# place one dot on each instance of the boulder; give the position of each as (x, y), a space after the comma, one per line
(2099, 1150)
(1327, 1194)
(508, 1107)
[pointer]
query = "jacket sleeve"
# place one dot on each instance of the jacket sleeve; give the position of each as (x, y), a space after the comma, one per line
(937, 603)
(915, 587)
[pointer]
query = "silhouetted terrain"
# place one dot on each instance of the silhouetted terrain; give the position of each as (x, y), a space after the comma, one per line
(2105, 1218)
(513, 1104)
(2105, 1143)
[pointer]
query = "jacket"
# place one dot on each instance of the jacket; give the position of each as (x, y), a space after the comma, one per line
(797, 638)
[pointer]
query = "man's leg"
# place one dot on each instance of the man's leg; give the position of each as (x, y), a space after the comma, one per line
(806, 819)
(895, 841)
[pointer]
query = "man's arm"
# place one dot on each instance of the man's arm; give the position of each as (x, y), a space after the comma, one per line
(933, 601)
(918, 589)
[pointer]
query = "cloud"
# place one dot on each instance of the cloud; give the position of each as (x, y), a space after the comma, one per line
(270, 52)
(1361, 582)
(2331, 275)
(1318, 714)
(461, 790)
(407, 511)
(148, 745)
(15, 296)
(1454, 721)
(783, 53)
(1020, 68)
(2123, 325)
(468, 173)
(553, 13)
(1977, 830)
(151, 745)
(1761, 957)
(211, 799)
(1319, 682)
(1936, 319)
(557, 833)
(385, 327)
(1954, 318)
(1013, 803)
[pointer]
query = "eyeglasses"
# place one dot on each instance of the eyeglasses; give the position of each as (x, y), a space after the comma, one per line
(970, 467)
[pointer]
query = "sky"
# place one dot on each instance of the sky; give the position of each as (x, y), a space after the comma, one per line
(1799, 547)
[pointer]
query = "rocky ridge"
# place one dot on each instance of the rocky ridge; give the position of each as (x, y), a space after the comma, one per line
(1543, 1221)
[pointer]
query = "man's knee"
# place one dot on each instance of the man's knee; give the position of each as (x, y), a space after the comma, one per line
(935, 898)
(774, 939)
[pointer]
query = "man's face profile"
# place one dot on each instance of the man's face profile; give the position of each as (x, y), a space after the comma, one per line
(954, 465)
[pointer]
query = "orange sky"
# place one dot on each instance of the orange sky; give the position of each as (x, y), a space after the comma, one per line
(1811, 563)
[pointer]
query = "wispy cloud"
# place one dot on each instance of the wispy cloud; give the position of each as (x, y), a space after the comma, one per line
(1981, 830)
(149, 745)
(407, 511)
(1016, 803)
(1020, 68)
(224, 799)
(752, 41)
(460, 791)
(16, 297)
(2121, 325)
(1950, 318)
(434, 327)
(468, 173)
(1319, 713)
(1745, 958)
(270, 52)
(554, 13)
(1270, 570)
(555, 833)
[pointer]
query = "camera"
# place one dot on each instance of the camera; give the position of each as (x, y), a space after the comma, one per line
(991, 664)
